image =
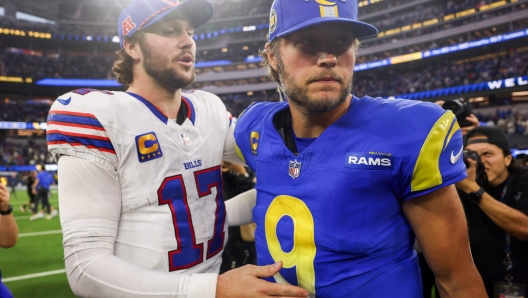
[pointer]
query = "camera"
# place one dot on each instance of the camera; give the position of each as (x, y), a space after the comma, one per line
(473, 155)
(461, 108)
(481, 175)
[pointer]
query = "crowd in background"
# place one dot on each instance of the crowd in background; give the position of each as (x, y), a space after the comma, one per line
(24, 153)
(442, 74)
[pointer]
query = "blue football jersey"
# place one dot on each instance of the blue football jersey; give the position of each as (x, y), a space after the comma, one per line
(333, 213)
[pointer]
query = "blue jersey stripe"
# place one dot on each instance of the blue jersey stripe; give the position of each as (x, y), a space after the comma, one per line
(74, 119)
(75, 140)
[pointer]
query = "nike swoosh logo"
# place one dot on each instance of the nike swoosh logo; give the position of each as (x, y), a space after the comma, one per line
(455, 158)
(64, 101)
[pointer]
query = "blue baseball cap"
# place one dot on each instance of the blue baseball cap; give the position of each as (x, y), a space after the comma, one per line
(287, 16)
(142, 13)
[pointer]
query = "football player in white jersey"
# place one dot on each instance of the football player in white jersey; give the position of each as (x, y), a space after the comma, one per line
(142, 211)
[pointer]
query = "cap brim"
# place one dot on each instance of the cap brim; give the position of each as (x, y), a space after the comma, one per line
(198, 12)
(361, 30)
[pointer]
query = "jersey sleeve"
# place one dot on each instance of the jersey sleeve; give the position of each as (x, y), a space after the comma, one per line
(89, 219)
(230, 152)
(436, 160)
(247, 134)
(76, 127)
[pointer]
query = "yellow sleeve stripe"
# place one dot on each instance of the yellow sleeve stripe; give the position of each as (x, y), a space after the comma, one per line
(239, 153)
(455, 128)
(426, 172)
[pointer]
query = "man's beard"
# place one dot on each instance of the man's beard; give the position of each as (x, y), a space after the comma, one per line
(163, 74)
(299, 96)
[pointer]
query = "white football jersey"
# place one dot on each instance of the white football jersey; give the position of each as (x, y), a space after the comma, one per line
(173, 216)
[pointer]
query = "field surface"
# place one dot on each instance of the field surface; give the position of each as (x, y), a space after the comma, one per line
(34, 267)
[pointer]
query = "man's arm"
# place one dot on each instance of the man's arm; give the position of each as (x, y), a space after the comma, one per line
(507, 218)
(8, 226)
(34, 186)
(90, 204)
(440, 226)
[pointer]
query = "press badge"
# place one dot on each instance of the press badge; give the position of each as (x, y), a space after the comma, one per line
(511, 290)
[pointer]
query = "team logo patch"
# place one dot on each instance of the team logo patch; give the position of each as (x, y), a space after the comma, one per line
(128, 25)
(273, 21)
(185, 139)
(148, 147)
(370, 160)
(254, 141)
(295, 169)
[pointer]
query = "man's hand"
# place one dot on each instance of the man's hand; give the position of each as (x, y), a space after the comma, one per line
(245, 282)
(469, 184)
(4, 198)
(474, 123)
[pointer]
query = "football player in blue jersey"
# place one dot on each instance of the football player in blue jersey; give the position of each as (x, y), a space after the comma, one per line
(346, 184)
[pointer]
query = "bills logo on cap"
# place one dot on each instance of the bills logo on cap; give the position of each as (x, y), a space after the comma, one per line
(185, 139)
(128, 25)
(172, 3)
(295, 169)
(273, 20)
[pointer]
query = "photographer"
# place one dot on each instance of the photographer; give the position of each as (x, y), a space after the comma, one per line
(495, 199)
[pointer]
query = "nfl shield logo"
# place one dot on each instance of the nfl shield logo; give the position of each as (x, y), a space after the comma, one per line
(185, 139)
(295, 169)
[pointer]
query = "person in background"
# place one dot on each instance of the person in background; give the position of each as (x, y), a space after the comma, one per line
(495, 200)
(30, 179)
(8, 230)
(41, 190)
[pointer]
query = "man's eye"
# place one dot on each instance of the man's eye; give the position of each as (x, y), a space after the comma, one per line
(169, 32)
(191, 34)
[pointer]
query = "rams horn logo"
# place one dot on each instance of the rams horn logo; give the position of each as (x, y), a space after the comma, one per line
(254, 141)
(273, 21)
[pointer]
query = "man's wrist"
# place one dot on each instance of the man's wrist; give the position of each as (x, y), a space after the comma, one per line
(476, 196)
(6, 211)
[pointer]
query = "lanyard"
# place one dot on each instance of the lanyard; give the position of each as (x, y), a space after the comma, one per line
(507, 261)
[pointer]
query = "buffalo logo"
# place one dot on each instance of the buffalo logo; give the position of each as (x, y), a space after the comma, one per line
(172, 3)
(295, 169)
(254, 141)
(148, 147)
(273, 21)
(128, 25)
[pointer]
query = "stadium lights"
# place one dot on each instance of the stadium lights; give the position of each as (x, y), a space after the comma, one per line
(115, 39)
(89, 38)
(522, 93)
(249, 28)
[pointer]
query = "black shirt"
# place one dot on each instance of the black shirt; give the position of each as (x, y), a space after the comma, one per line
(488, 240)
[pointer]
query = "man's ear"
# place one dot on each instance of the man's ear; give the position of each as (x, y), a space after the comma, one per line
(272, 59)
(132, 49)
(508, 160)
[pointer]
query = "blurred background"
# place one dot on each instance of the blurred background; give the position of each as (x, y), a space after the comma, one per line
(429, 50)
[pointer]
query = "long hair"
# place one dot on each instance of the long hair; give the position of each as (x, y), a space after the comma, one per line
(124, 64)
